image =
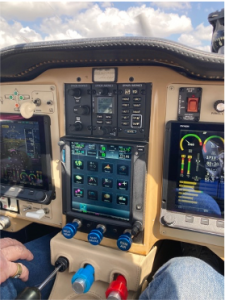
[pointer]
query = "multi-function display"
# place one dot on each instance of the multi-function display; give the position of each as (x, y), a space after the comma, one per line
(195, 171)
(105, 105)
(101, 179)
(21, 152)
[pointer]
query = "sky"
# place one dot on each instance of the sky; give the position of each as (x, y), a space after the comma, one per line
(182, 22)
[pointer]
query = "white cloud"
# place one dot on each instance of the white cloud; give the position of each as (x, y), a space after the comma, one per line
(172, 5)
(30, 11)
(107, 4)
(195, 37)
(96, 22)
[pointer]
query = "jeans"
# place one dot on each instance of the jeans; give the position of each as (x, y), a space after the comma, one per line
(39, 269)
(185, 278)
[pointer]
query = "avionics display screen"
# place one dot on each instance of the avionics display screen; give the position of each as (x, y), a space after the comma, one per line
(101, 179)
(196, 169)
(21, 151)
(105, 105)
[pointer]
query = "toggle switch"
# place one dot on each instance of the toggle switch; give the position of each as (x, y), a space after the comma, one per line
(192, 105)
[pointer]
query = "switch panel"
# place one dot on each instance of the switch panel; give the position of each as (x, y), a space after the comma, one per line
(189, 104)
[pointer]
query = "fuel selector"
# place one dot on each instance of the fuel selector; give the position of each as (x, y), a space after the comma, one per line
(70, 229)
(96, 235)
(219, 106)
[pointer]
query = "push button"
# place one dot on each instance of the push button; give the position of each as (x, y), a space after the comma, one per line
(192, 105)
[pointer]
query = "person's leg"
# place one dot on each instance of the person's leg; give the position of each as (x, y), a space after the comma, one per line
(39, 269)
(185, 278)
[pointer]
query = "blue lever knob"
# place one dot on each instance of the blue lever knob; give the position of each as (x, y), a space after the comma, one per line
(96, 235)
(83, 279)
(70, 229)
(124, 242)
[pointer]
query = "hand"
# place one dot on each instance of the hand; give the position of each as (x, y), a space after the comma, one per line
(12, 250)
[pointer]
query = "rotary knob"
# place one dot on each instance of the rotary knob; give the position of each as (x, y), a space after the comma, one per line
(101, 130)
(75, 92)
(82, 110)
(78, 126)
(104, 91)
(219, 105)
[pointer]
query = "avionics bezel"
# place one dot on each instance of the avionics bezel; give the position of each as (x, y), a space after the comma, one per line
(138, 189)
(170, 215)
(22, 191)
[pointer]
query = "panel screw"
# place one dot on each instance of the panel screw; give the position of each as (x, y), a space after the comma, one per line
(52, 88)
(171, 87)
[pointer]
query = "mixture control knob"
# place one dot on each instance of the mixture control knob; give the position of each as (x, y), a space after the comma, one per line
(75, 92)
(117, 289)
(104, 91)
(219, 105)
(78, 126)
(70, 229)
(82, 110)
(83, 279)
(96, 235)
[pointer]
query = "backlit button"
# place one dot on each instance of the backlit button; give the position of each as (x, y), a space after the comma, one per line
(136, 118)
(99, 116)
(106, 197)
(136, 111)
(136, 124)
(135, 91)
(125, 111)
(125, 123)
(108, 122)
(125, 117)
(109, 117)
(137, 105)
(127, 91)
(131, 131)
(126, 98)
(92, 195)
(125, 105)
(99, 122)
(192, 105)
(137, 99)
(122, 200)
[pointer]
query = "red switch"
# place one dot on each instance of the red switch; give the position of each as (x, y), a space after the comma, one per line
(192, 105)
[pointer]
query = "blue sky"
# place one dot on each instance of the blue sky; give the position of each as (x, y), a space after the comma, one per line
(183, 22)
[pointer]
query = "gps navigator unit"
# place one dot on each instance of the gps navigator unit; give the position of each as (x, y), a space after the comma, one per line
(193, 179)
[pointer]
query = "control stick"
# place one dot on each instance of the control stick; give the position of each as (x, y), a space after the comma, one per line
(34, 293)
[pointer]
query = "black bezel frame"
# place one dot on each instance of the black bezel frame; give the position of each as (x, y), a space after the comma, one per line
(172, 137)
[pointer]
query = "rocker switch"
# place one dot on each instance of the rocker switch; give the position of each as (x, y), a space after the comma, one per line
(192, 105)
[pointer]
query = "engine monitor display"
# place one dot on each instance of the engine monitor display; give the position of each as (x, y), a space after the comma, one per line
(194, 174)
(25, 153)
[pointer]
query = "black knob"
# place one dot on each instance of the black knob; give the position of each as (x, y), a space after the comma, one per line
(75, 92)
(78, 126)
(104, 130)
(105, 91)
(82, 110)
(219, 105)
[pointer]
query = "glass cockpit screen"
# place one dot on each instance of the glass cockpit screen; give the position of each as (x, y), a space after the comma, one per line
(196, 169)
(101, 179)
(22, 151)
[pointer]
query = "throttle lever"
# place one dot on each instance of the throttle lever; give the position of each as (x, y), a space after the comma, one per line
(34, 293)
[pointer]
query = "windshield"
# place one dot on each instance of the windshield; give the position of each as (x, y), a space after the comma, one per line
(182, 22)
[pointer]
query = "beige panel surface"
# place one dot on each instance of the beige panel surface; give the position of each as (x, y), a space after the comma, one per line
(160, 78)
(45, 92)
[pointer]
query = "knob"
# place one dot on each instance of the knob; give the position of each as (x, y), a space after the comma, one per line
(78, 126)
(219, 105)
(124, 242)
(50, 102)
(169, 219)
(70, 229)
(101, 130)
(104, 91)
(96, 235)
(117, 289)
(82, 110)
(37, 102)
(83, 279)
(27, 109)
(4, 222)
(75, 92)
